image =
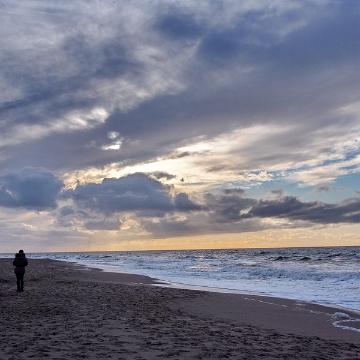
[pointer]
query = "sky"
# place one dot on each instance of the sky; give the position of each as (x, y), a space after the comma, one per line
(141, 125)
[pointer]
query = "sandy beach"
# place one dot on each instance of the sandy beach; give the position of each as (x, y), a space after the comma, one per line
(71, 312)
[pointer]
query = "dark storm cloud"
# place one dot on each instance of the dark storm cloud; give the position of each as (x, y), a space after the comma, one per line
(129, 193)
(135, 192)
(72, 216)
(235, 214)
(30, 188)
(220, 213)
(235, 207)
(230, 210)
(316, 212)
(183, 203)
(228, 207)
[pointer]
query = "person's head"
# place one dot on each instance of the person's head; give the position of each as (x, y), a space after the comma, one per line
(21, 251)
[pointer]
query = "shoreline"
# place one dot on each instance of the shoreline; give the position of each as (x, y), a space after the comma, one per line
(314, 277)
(71, 311)
(178, 285)
(230, 299)
(323, 311)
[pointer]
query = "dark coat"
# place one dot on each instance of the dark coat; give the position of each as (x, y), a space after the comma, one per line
(20, 262)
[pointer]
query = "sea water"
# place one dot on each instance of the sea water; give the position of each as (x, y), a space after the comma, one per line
(329, 276)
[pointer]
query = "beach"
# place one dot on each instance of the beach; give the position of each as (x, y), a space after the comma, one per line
(69, 311)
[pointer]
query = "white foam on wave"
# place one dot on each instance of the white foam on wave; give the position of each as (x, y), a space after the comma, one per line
(343, 321)
(328, 276)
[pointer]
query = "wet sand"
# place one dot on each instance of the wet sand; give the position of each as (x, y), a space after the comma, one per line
(70, 312)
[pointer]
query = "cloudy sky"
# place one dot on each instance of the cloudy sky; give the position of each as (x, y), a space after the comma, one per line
(179, 124)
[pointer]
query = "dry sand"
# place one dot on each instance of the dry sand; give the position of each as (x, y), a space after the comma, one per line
(69, 312)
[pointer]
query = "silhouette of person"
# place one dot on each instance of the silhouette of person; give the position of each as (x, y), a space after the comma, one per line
(20, 262)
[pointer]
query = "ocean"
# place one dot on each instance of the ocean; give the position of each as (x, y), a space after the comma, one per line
(329, 276)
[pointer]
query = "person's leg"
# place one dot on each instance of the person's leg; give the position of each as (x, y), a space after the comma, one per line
(18, 284)
(22, 282)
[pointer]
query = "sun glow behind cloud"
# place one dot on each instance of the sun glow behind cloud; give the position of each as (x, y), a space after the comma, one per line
(193, 163)
(229, 158)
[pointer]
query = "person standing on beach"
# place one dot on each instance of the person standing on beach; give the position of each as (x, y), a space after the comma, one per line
(20, 262)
